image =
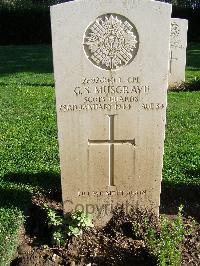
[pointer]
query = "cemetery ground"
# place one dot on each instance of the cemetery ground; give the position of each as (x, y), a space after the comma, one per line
(30, 174)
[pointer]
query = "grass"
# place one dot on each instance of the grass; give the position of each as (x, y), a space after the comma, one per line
(193, 62)
(26, 65)
(28, 135)
(182, 146)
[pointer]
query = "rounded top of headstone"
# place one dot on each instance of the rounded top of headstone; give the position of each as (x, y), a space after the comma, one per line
(111, 41)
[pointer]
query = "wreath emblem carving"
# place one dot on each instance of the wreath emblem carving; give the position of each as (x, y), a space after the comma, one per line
(111, 42)
(175, 35)
(175, 30)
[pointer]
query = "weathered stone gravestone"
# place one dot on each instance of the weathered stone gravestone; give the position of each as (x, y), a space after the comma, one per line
(111, 74)
(178, 45)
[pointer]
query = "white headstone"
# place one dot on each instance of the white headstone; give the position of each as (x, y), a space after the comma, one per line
(178, 45)
(111, 74)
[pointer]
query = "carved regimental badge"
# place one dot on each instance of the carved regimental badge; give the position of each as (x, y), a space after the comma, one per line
(175, 35)
(175, 30)
(111, 41)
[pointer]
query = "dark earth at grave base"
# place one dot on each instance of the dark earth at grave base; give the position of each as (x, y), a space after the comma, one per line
(114, 244)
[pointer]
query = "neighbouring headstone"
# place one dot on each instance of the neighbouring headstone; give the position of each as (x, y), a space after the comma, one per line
(111, 74)
(178, 45)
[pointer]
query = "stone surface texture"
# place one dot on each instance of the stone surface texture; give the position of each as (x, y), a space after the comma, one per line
(178, 45)
(111, 74)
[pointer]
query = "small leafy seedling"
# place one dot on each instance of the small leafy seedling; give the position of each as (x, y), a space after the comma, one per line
(65, 226)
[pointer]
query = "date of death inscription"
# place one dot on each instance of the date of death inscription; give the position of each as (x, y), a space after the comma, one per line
(110, 94)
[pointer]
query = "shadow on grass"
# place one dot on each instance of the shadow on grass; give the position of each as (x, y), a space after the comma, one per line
(10, 197)
(49, 182)
(44, 180)
(41, 84)
(192, 173)
(173, 196)
(192, 85)
(36, 59)
(193, 56)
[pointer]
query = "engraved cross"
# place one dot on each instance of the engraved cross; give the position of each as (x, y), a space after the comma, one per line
(111, 141)
(171, 61)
